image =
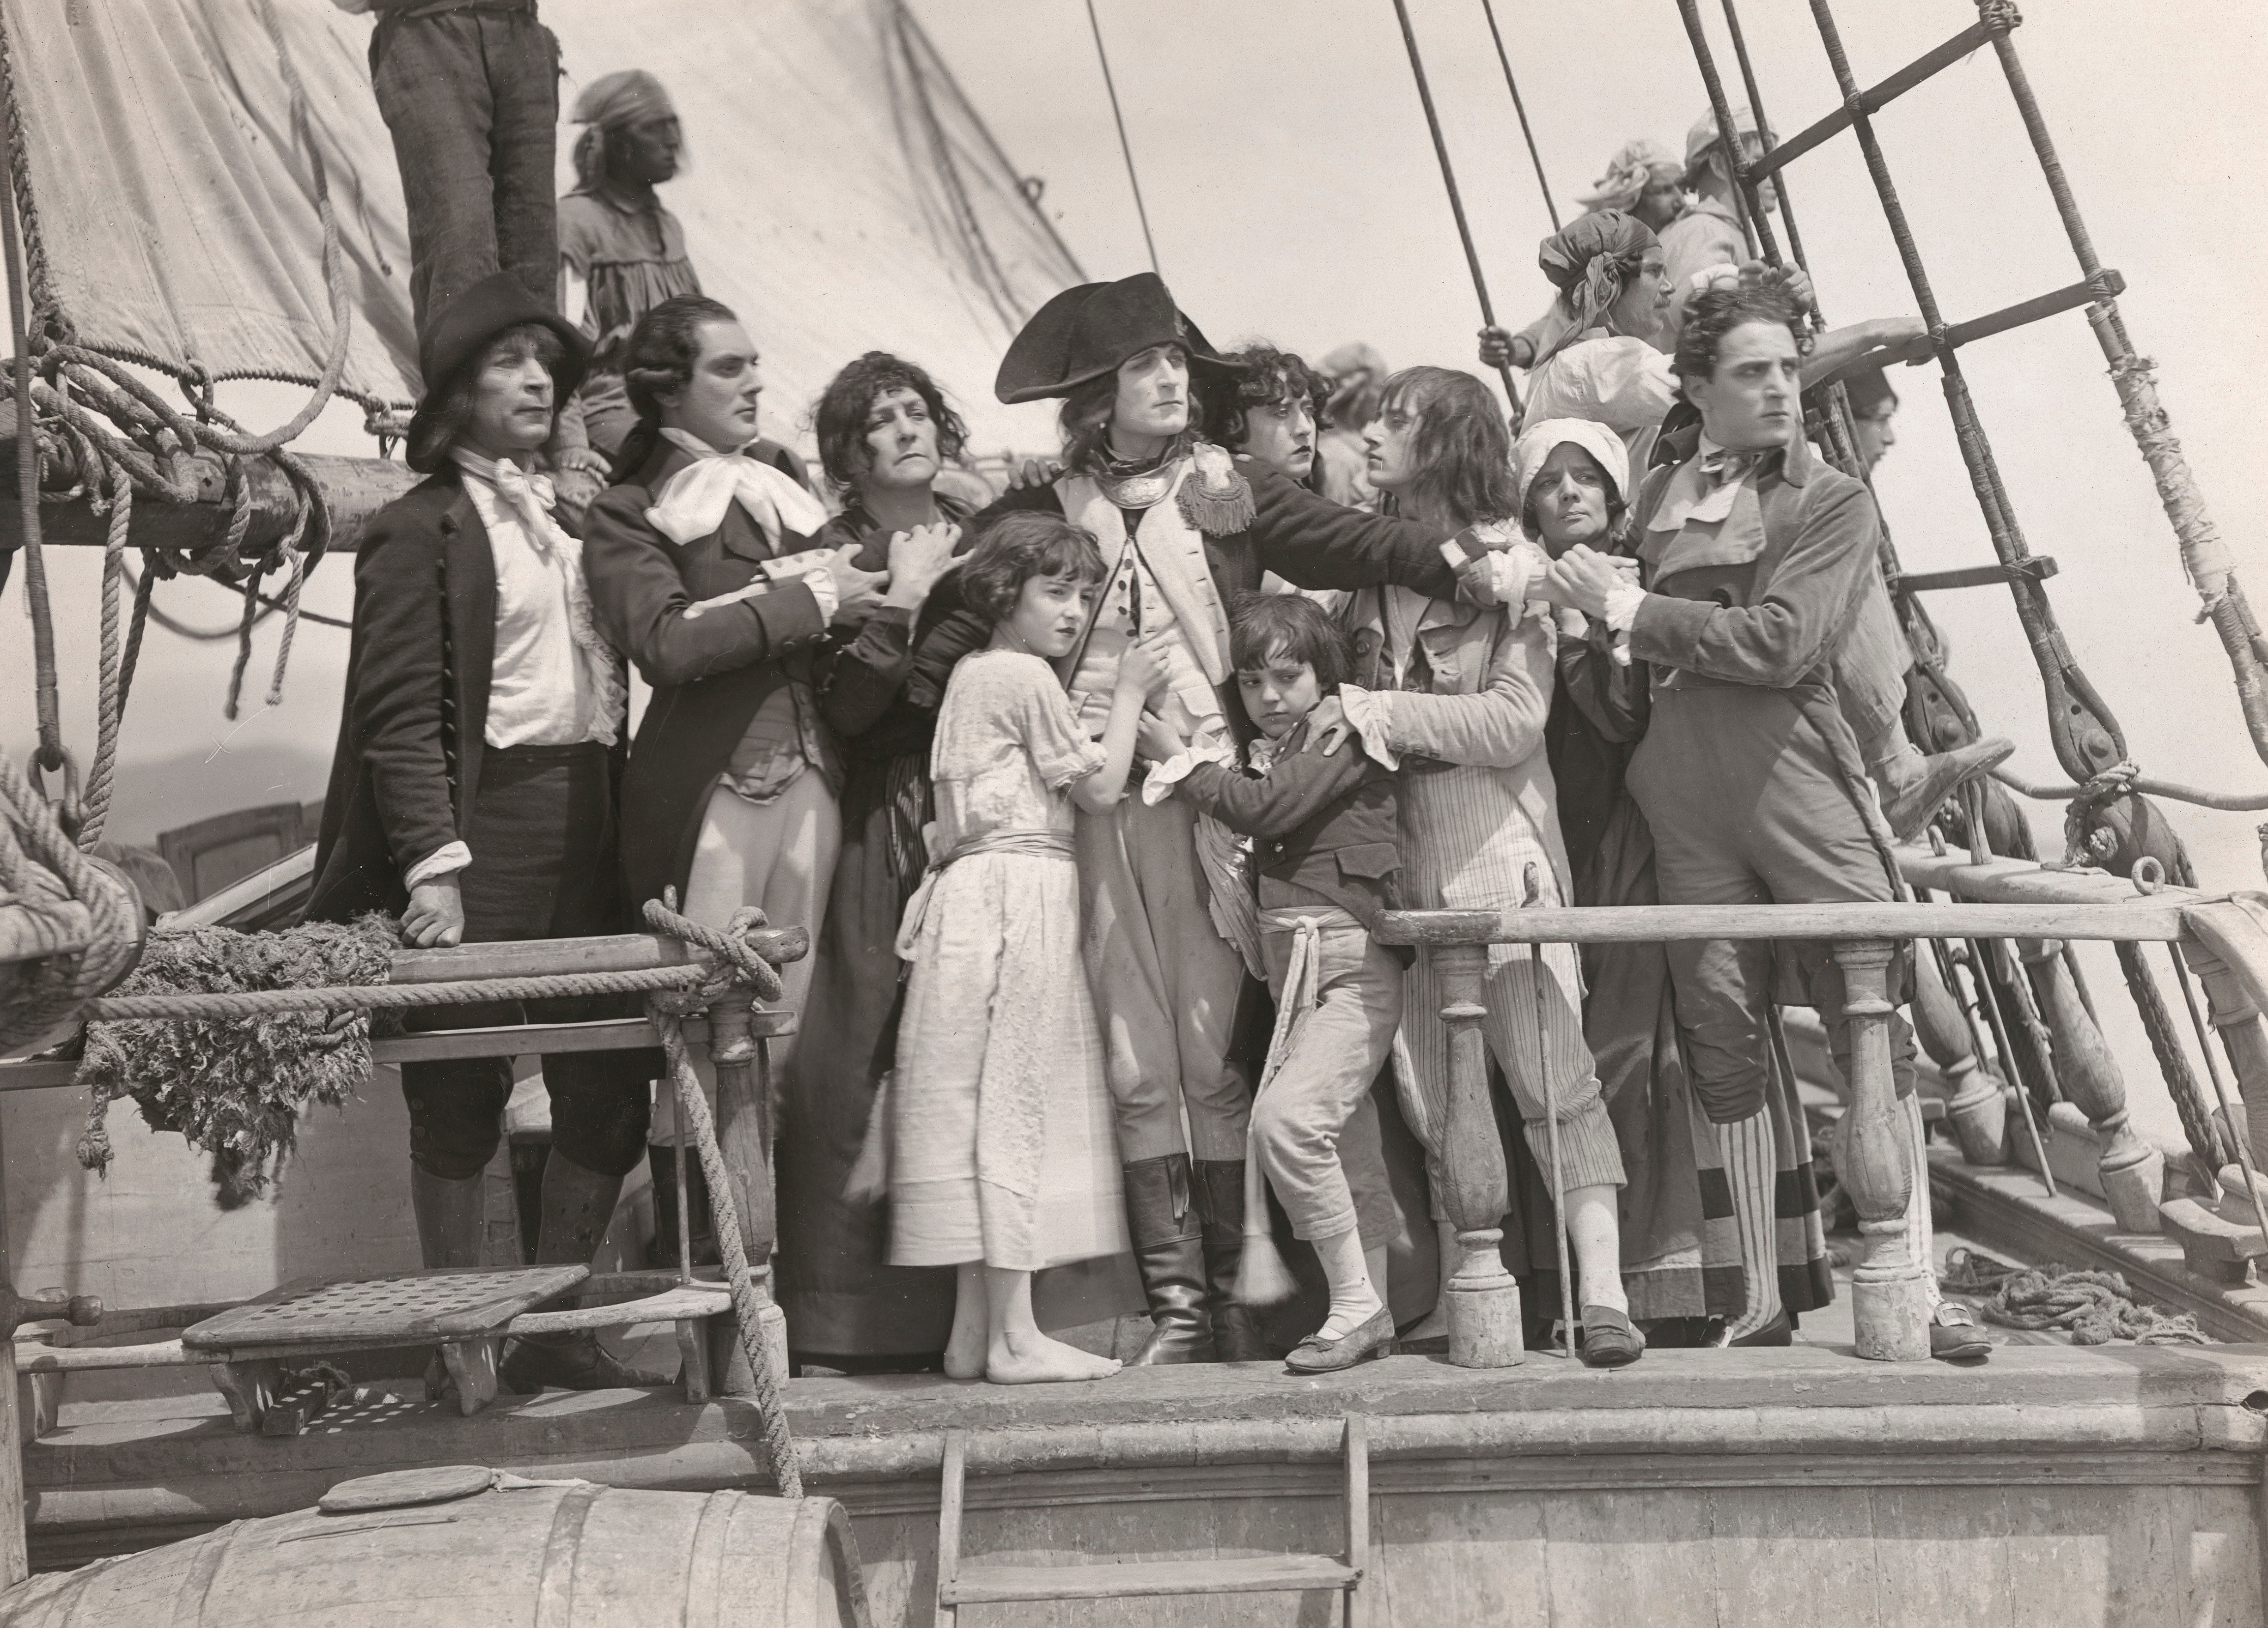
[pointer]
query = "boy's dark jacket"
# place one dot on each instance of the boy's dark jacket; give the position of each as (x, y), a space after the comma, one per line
(1328, 825)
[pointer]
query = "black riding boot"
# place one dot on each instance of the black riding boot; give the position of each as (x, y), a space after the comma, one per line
(1221, 1212)
(577, 1204)
(1169, 1249)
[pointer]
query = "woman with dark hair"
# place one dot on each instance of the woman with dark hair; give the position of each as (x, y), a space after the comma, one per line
(473, 789)
(1456, 696)
(885, 430)
(1170, 930)
(706, 569)
(1754, 555)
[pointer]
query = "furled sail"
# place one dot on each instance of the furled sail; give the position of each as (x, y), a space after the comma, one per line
(844, 195)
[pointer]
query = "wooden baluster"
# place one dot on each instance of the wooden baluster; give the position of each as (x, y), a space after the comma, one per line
(743, 1127)
(1976, 1098)
(81, 1310)
(2244, 1036)
(2134, 1171)
(1484, 1309)
(1889, 1290)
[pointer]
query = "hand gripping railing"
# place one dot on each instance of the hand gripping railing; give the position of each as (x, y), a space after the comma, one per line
(1889, 1291)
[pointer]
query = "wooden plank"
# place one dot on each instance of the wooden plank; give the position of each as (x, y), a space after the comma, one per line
(35, 1358)
(948, 1524)
(1358, 1515)
(547, 957)
(693, 1301)
(1127, 1580)
(2153, 919)
(2024, 882)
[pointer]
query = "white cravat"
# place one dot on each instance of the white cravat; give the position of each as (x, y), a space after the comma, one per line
(691, 503)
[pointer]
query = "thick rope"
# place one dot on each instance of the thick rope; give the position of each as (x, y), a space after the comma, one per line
(668, 1013)
(47, 699)
(1550, 206)
(64, 983)
(1125, 149)
(732, 943)
(391, 997)
(2095, 1307)
(1449, 185)
(112, 706)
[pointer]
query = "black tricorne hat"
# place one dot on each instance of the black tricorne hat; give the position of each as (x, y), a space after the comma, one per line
(453, 341)
(1086, 332)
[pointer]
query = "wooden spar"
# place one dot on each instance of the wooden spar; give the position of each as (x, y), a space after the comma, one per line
(356, 489)
(2156, 919)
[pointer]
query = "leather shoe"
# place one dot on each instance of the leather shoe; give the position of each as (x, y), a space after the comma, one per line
(1779, 1331)
(1610, 1341)
(1953, 1336)
(1317, 1355)
(1908, 805)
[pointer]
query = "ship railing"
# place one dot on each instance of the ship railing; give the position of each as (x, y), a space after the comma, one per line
(2223, 940)
(694, 989)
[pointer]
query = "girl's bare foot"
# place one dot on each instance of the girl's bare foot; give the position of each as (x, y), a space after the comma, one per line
(1031, 1358)
(964, 1353)
(964, 1348)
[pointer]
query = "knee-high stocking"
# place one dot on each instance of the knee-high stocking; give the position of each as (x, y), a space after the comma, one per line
(1746, 1150)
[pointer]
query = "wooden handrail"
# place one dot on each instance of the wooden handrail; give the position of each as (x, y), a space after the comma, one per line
(2157, 918)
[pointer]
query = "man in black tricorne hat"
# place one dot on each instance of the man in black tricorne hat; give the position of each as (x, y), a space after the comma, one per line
(473, 788)
(1170, 923)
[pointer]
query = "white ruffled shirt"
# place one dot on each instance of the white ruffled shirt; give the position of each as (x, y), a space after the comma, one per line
(692, 502)
(553, 682)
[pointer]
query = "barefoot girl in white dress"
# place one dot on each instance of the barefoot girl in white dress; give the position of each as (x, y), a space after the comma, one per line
(1003, 1159)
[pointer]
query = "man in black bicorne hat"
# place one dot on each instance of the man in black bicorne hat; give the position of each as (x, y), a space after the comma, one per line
(472, 792)
(1170, 924)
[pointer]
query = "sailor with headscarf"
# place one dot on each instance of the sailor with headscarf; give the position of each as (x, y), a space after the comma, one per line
(1645, 180)
(617, 244)
(1607, 365)
(1712, 232)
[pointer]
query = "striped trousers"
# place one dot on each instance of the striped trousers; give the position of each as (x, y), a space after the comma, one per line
(1469, 845)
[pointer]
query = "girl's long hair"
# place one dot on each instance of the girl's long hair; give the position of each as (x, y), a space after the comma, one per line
(1462, 445)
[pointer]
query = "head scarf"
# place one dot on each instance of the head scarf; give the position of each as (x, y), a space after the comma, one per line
(614, 102)
(1590, 261)
(1536, 442)
(1701, 140)
(1628, 173)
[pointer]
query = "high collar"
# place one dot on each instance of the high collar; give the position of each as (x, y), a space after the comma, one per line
(1796, 461)
(1717, 206)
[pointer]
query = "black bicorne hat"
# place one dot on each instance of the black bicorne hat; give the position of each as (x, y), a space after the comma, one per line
(1086, 332)
(453, 341)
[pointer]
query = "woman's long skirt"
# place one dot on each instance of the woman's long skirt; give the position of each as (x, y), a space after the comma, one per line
(847, 1306)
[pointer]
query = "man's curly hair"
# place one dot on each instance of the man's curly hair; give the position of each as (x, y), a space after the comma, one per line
(1718, 310)
(1270, 376)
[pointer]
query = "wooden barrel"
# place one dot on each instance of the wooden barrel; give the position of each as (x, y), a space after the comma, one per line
(460, 1546)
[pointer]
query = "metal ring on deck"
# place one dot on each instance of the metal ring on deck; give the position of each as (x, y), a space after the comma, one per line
(2149, 875)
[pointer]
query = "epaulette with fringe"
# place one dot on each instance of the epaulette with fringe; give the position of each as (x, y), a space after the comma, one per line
(1216, 498)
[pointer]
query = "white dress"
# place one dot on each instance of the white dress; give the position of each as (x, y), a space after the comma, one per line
(1002, 1142)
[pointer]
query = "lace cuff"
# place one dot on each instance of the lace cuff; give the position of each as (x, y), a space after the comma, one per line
(1163, 777)
(1366, 711)
(1623, 600)
(446, 861)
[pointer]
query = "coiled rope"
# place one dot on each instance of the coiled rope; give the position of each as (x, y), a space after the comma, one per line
(39, 862)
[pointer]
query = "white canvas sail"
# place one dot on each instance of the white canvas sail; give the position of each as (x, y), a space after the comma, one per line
(844, 195)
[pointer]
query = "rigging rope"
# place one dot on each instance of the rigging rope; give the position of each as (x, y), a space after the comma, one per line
(1520, 107)
(1124, 149)
(48, 700)
(1450, 183)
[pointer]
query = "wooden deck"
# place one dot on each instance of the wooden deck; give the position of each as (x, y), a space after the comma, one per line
(2112, 1484)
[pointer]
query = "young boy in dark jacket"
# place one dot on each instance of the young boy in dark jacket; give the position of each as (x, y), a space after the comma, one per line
(1325, 830)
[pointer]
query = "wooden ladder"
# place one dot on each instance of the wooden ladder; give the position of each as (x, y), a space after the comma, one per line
(959, 1584)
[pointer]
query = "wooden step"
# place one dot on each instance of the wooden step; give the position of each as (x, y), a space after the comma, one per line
(1124, 1580)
